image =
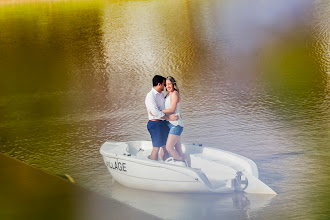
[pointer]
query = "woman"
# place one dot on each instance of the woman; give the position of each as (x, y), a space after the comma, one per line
(172, 106)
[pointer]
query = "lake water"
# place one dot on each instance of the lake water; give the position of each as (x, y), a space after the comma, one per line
(253, 77)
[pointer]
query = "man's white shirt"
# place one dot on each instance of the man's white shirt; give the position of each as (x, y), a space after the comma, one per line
(155, 102)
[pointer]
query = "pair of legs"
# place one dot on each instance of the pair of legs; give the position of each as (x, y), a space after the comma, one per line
(173, 146)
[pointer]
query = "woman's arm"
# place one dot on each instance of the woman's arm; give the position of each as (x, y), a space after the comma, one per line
(174, 101)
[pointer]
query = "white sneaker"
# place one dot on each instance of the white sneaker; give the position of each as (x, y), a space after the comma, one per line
(171, 160)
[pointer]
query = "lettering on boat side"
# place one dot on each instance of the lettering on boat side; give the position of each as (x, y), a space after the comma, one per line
(116, 165)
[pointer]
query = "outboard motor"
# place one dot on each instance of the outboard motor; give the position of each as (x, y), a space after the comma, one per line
(239, 183)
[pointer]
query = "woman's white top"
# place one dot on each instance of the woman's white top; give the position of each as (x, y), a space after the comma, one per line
(177, 111)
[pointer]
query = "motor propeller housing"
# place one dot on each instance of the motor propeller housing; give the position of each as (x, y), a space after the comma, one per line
(240, 182)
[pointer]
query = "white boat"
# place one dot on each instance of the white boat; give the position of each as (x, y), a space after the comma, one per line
(208, 169)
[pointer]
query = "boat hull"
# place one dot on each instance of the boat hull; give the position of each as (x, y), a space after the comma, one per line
(210, 170)
(154, 177)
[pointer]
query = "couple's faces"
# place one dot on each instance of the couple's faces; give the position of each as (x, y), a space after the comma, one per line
(168, 84)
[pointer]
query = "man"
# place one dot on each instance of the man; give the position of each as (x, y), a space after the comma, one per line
(157, 127)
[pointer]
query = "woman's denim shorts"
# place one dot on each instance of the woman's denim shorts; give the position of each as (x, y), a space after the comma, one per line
(175, 130)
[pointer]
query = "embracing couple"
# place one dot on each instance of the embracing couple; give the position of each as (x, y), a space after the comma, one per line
(165, 124)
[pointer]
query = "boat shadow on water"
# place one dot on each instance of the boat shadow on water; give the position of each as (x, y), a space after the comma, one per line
(191, 205)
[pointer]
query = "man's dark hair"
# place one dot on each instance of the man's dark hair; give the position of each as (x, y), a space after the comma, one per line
(158, 79)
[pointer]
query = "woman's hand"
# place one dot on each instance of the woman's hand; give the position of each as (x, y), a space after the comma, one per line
(173, 117)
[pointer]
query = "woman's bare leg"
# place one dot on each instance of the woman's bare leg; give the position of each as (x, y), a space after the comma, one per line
(178, 148)
(170, 146)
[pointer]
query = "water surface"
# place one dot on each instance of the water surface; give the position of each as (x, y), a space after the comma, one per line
(254, 80)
